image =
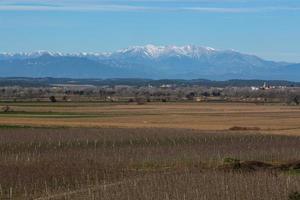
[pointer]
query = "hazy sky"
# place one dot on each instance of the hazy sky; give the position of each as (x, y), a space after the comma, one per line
(267, 28)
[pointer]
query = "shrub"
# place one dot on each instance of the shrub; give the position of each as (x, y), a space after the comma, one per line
(65, 98)
(232, 162)
(140, 101)
(6, 109)
(52, 99)
(294, 196)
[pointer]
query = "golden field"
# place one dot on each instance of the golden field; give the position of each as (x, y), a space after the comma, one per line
(268, 118)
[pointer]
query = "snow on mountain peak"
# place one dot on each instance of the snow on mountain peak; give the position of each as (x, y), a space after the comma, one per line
(153, 51)
(210, 49)
(170, 61)
(147, 51)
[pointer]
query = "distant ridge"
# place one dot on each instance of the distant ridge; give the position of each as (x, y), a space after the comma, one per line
(49, 82)
(153, 62)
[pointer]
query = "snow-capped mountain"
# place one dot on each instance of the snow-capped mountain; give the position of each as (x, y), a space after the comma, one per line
(148, 61)
(151, 51)
(36, 54)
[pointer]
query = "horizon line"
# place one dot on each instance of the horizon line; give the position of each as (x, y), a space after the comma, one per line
(144, 8)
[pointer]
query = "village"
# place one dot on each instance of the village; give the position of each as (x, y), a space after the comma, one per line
(265, 93)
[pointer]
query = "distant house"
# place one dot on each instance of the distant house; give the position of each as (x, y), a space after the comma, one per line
(166, 86)
(111, 99)
(199, 99)
(266, 87)
(254, 88)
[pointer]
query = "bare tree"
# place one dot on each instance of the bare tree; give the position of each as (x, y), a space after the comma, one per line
(140, 100)
(52, 99)
(293, 99)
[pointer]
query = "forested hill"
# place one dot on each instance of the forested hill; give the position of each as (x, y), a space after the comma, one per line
(45, 82)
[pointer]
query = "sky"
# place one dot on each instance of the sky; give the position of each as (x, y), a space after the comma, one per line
(267, 28)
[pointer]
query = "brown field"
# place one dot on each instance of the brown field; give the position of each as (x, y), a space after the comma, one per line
(206, 151)
(269, 118)
(148, 163)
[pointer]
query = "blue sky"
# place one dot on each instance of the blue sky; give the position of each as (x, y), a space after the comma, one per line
(267, 28)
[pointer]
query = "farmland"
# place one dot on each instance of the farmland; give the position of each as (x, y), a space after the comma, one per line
(85, 150)
(198, 116)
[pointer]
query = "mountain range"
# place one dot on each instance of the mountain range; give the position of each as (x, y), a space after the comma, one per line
(155, 62)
